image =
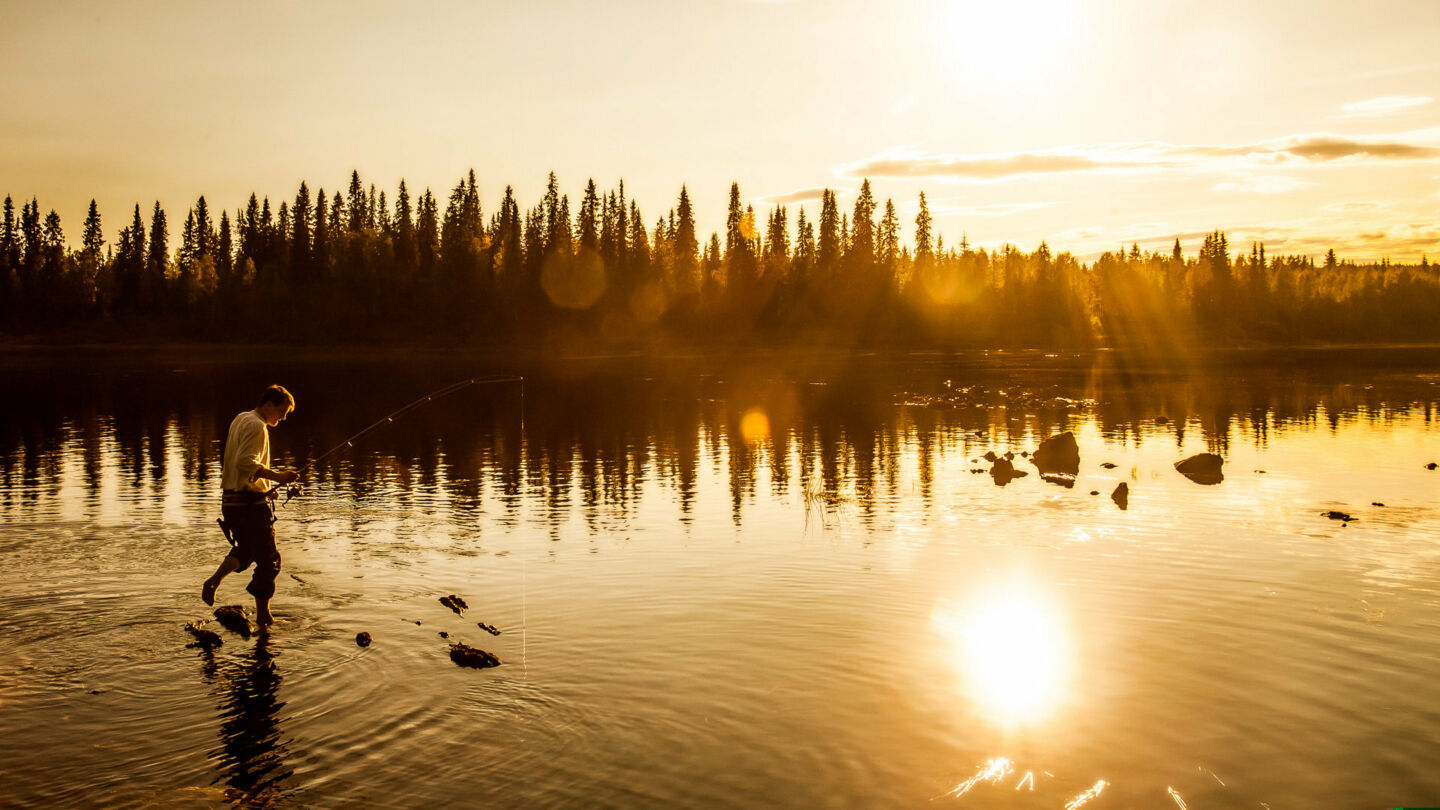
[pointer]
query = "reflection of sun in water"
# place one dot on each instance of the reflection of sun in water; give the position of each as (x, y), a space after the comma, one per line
(1011, 646)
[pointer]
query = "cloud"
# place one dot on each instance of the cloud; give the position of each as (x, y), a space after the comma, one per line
(801, 195)
(1262, 184)
(1297, 150)
(1383, 105)
(1346, 206)
(991, 210)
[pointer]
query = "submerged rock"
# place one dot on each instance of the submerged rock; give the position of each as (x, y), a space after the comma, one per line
(204, 639)
(1432, 465)
(1059, 455)
(1121, 495)
(990, 456)
(1202, 468)
(234, 619)
(444, 634)
(489, 628)
(362, 639)
(1162, 420)
(1337, 515)
(1004, 471)
(1107, 465)
(467, 656)
(454, 602)
(1376, 503)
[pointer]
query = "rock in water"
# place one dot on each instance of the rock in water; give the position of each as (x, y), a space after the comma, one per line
(362, 639)
(1107, 465)
(489, 628)
(1162, 420)
(990, 456)
(233, 618)
(1202, 468)
(467, 656)
(1058, 459)
(1341, 516)
(1121, 495)
(1432, 465)
(1004, 470)
(454, 602)
(204, 639)
(1059, 453)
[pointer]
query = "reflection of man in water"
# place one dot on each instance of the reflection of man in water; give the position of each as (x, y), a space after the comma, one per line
(246, 513)
(254, 753)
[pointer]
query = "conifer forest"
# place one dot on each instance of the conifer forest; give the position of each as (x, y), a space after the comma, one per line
(361, 266)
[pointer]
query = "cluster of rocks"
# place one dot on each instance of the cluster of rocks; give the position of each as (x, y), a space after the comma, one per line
(1057, 460)
(461, 653)
(235, 619)
(980, 396)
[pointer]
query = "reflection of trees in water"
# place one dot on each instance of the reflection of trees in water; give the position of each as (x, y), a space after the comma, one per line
(595, 440)
(253, 752)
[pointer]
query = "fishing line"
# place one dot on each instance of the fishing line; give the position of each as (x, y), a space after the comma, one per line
(398, 413)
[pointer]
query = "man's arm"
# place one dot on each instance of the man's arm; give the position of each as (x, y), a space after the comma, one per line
(251, 449)
(286, 477)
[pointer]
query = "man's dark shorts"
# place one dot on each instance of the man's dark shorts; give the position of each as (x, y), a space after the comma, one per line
(254, 535)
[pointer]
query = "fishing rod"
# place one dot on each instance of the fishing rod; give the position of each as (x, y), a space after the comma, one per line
(294, 490)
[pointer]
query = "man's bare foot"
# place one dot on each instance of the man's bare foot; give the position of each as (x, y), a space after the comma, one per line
(263, 617)
(207, 591)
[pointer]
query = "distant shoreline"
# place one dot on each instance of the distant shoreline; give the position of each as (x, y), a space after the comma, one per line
(11, 349)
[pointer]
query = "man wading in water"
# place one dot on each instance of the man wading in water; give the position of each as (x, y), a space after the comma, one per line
(247, 517)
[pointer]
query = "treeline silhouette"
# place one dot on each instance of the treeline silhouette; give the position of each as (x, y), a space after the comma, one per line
(359, 267)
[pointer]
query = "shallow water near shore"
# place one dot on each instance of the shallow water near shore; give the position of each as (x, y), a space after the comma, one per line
(760, 583)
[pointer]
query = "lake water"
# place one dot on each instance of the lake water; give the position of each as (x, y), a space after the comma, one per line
(765, 582)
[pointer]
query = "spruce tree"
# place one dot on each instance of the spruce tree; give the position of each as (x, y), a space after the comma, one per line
(225, 250)
(158, 258)
(92, 243)
(9, 257)
(404, 227)
(300, 246)
(923, 224)
(861, 247)
(587, 225)
(829, 247)
(359, 217)
(686, 248)
(889, 241)
(320, 238)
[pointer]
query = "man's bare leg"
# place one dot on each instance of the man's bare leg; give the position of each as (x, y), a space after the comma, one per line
(262, 613)
(227, 566)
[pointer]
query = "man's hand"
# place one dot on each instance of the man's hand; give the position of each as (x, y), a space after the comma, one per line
(282, 478)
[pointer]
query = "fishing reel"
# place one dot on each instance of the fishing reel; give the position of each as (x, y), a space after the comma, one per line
(292, 491)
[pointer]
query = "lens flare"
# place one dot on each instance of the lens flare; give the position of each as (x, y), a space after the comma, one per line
(754, 426)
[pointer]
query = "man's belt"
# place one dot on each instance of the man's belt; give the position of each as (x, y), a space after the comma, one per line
(242, 497)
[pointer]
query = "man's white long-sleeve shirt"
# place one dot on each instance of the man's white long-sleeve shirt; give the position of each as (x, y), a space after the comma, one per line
(247, 449)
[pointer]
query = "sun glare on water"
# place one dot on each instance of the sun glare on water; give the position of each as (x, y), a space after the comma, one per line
(1011, 647)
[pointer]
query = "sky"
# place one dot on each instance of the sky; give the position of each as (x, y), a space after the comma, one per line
(1088, 125)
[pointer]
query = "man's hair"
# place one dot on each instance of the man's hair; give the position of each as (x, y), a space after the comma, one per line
(277, 395)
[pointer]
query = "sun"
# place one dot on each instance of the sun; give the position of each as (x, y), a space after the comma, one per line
(1007, 46)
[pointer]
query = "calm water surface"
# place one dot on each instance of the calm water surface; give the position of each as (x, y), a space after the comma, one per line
(753, 584)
